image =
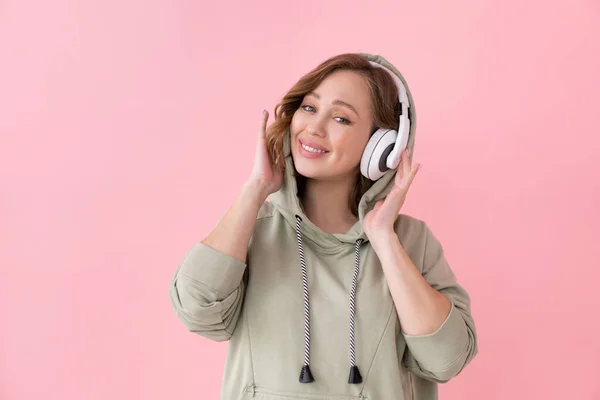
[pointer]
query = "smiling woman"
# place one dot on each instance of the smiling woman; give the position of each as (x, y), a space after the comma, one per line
(329, 257)
(326, 122)
(346, 97)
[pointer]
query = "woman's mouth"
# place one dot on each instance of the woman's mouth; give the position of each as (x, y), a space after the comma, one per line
(310, 151)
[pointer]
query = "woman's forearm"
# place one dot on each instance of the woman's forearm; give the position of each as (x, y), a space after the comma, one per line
(233, 232)
(421, 309)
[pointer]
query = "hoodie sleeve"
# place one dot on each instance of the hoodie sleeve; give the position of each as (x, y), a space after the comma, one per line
(443, 354)
(207, 292)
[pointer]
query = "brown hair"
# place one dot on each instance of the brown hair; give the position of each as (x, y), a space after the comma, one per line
(384, 98)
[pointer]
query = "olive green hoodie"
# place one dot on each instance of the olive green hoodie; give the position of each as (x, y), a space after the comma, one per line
(291, 302)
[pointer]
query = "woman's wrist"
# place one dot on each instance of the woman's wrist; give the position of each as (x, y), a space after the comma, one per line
(383, 239)
(256, 190)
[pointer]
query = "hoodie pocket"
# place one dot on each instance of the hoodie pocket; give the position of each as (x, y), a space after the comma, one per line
(258, 393)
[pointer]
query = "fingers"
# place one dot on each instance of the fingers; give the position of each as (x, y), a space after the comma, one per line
(263, 124)
(413, 173)
(403, 169)
(406, 162)
(402, 181)
(262, 133)
(405, 173)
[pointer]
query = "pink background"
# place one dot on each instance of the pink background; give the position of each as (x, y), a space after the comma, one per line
(127, 128)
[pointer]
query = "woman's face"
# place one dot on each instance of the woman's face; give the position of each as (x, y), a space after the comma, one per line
(331, 128)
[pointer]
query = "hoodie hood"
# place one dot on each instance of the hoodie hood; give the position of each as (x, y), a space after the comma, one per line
(287, 202)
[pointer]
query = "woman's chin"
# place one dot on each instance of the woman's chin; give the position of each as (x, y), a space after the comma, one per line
(311, 173)
(315, 169)
(307, 168)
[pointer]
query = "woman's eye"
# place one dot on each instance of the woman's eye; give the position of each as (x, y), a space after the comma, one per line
(343, 120)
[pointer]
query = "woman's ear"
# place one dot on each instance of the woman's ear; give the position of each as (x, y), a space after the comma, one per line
(374, 128)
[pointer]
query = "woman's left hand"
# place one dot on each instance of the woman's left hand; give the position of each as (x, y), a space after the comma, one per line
(380, 220)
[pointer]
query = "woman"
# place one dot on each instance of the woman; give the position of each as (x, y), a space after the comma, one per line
(325, 291)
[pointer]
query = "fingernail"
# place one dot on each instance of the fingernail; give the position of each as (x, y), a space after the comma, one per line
(264, 111)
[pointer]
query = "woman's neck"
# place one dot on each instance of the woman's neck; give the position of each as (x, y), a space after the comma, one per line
(326, 204)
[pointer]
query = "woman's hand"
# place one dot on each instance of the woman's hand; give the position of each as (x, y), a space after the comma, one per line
(267, 178)
(379, 222)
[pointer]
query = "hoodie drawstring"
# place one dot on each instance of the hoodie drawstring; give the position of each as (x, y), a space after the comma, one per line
(305, 374)
(355, 376)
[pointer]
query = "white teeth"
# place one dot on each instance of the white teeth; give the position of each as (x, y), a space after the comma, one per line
(312, 150)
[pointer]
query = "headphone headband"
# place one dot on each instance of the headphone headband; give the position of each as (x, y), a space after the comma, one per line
(402, 96)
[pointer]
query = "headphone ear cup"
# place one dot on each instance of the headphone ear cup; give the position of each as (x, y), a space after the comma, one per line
(374, 158)
(404, 131)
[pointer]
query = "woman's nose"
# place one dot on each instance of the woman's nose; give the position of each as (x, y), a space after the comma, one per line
(316, 129)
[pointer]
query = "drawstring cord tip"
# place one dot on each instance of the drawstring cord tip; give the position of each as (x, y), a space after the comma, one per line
(306, 375)
(355, 376)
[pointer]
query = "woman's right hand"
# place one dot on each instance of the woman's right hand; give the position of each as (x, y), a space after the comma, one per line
(267, 178)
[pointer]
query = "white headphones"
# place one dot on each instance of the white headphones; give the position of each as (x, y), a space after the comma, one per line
(385, 147)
